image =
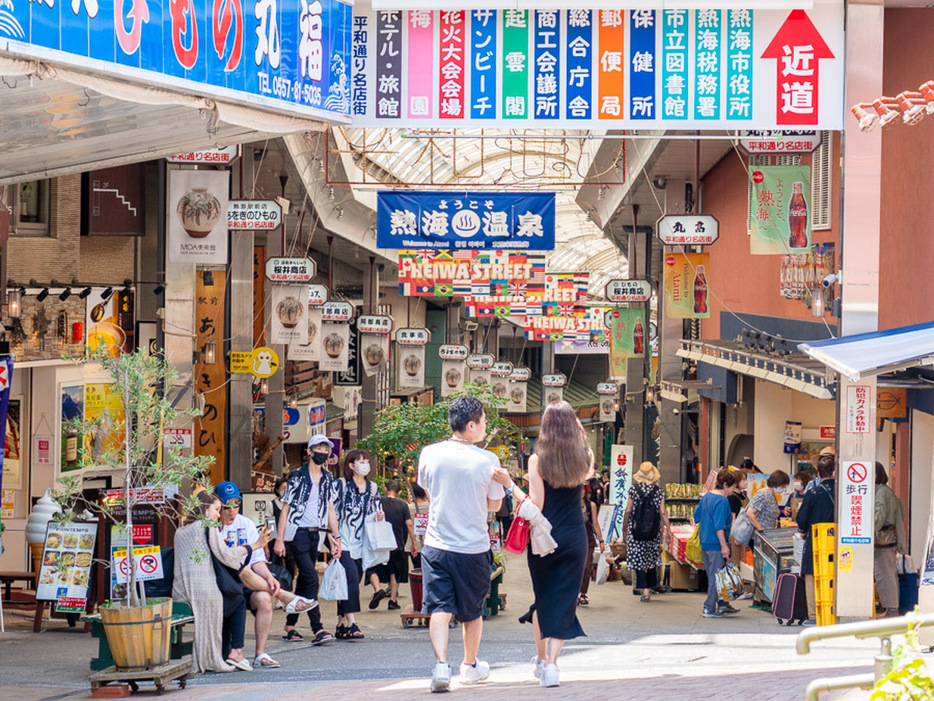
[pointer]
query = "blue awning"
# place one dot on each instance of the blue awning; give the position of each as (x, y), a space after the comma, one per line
(868, 354)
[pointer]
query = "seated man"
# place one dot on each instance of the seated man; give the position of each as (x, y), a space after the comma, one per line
(260, 587)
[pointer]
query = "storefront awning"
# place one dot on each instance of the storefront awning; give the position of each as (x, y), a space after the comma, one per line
(795, 372)
(869, 354)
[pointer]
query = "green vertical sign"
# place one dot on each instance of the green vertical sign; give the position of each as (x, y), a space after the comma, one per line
(515, 64)
(780, 210)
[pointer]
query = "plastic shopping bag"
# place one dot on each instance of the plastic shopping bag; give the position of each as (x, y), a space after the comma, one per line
(334, 582)
(603, 570)
(693, 551)
(729, 582)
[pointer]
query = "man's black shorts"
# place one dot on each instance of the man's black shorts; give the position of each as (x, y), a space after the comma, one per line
(455, 582)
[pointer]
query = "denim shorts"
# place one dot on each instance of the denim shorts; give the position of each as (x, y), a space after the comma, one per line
(455, 582)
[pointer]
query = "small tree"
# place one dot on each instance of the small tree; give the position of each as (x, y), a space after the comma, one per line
(140, 381)
(400, 431)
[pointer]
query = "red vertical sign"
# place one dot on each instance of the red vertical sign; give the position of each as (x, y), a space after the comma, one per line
(451, 72)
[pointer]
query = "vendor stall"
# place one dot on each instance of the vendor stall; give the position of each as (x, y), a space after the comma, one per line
(773, 555)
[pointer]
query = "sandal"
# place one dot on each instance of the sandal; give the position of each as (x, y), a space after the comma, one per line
(264, 661)
(293, 636)
(645, 598)
(582, 600)
(293, 605)
(322, 637)
(354, 633)
(340, 632)
(242, 665)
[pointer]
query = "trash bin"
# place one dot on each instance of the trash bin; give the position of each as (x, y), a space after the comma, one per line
(415, 580)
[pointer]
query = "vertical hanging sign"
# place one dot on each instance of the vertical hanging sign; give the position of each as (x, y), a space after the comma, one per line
(780, 219)
(707, 25)
(451, 79)
(389, 65)
(479, 365)
(411, 344)
(515, 64)
(547, 64)
(453, 359)
(361, 64)
(739, 64)
(675, 38)
(611, 32)
(642, 64)
(210, 377)
(483, 64)
(627, 338)
(579, 81)
(686, 294)
(421, 25)
(374, 342)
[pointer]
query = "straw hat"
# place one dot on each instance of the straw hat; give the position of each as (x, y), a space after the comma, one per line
(647, 474)
(828, 450)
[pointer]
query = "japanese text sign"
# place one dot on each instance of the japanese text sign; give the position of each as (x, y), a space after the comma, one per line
(628, 291)
(480, 361)
(627, 338)
(289, 54)
(413, 337)
(858, 404)
(688, 230)
(621, 457)
(857, 508)
(290, 269)
(337, 311)
(253, 214)
(555, 380)
(452, 351)
(772, 141)
(581, 68)
(780, 221)
(374, 324)
(147, 562)
(449, 220)
(501, 369)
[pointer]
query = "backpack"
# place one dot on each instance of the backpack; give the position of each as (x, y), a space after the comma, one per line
(645, 517)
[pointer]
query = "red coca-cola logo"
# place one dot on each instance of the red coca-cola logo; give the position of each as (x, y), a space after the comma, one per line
(757, 176)
(670, 261)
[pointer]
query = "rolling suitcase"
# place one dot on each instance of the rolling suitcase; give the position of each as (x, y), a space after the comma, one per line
(790, 601)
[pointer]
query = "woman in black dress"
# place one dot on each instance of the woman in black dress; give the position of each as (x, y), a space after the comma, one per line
(557, 470)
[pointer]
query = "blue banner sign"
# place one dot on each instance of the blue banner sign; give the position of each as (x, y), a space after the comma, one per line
(291, 54)
(449, 220)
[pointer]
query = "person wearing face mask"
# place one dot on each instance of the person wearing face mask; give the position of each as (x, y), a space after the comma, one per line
(763, 510)
(802, 478)
(357, 500)
(308, 515)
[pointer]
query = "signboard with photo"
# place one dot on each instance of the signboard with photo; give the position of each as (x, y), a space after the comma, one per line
(196, 218)
(374, 352)
(289, 317)
(335, 339)
(308, 348)
(686, 293)
(66, 564)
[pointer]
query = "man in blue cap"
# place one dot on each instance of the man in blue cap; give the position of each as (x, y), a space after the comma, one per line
(307, 516)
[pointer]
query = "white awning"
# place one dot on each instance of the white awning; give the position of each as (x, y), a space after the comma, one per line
(868, 354)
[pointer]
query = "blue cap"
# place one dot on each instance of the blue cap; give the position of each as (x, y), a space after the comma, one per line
(319, 439)
(227, 491)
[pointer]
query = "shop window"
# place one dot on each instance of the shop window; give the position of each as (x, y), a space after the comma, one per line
(30, 202)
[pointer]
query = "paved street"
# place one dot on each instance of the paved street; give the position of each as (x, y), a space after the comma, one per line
(659, 650)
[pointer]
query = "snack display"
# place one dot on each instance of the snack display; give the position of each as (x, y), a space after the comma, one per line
(683, 491)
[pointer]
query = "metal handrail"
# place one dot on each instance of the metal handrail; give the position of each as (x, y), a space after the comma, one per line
(883, 629)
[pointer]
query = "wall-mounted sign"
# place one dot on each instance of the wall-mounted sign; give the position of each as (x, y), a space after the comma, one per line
(453, 351)
(828, 432)
(413, 337)
(555, 380)
(520, 375)
(607, 388)
(449, 220)
(260, 362)
(317, 295)
(501, 369)
(858, 408)
(856, 511)
(628, 291)
(350, 376)
(370, 323)
(771, 141)
(178, 438)
(688, 230)
(214, 156)
(335, 312)
(292, 55)
(599, 69)
(480, 361)
(291, 269)
(253, 214)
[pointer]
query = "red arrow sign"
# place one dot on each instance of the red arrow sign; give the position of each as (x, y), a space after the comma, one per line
(798, 49)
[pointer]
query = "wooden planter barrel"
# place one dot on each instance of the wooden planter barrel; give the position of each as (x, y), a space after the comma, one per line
(139, 637)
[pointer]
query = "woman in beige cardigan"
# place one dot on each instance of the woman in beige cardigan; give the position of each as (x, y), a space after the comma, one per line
(889, 522)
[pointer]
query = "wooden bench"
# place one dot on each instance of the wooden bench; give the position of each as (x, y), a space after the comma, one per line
(8, 578)
(181, 616)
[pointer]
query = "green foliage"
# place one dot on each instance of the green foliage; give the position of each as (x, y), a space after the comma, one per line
(910, 679)
(400, 431)
(141, 382)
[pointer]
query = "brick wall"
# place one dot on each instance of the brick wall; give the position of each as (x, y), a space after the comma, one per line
(107, 259)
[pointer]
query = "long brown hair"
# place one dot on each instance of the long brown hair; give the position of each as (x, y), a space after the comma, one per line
(564, 460)
(205, 499)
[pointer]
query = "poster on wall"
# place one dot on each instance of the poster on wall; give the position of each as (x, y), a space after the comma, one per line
(686, 293)
(109, 323)
(72, 409)
(12, 456)
(335, 339)
(780, 221)
(103, 406)
(308, 345)
(289, 318)
(196, 219)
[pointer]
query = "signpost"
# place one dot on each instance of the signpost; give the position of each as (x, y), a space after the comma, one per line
(620, 291)
(688, 230)
(291, 270)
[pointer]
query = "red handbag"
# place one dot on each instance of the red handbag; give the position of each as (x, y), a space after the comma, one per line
(518, 537)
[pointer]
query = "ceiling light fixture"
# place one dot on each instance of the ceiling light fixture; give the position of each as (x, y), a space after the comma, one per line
(65, 294)
(43, 293)
(85, 293)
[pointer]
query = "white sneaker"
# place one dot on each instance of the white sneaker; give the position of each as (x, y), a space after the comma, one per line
(549, 676)
(477, 673)
(538, 667)
(441, 678)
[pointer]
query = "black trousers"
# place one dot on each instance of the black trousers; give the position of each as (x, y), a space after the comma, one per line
(646, 579)
(304, 550)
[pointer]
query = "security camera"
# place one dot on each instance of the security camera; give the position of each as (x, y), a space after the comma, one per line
(675, 411)
(829, 281)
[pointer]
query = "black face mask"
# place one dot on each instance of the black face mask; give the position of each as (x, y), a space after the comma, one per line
(319, 458)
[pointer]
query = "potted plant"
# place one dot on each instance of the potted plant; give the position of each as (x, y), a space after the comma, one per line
(128, 440)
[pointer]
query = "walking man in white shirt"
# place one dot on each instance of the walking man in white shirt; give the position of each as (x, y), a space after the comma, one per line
(456, 557)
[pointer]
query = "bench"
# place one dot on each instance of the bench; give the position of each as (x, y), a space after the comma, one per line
(181, 616)
(8, 578)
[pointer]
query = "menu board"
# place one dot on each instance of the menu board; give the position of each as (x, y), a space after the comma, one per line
(66, 565)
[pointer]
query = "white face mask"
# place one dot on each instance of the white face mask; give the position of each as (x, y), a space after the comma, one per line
(798, 486)
(362, 469)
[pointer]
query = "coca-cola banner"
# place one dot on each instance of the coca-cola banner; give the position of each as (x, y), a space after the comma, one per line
(628, 337)
(780, 219)
(686, 293)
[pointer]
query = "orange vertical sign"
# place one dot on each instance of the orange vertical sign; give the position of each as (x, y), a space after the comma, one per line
(210, 378)
(610, 63)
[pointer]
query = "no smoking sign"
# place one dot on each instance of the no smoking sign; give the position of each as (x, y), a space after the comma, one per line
(147, 562)
(857, 508)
